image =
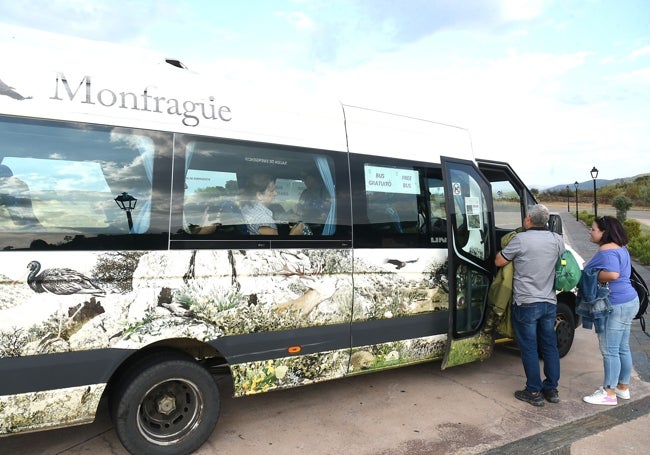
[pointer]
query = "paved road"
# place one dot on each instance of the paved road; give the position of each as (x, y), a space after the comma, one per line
(416, 410)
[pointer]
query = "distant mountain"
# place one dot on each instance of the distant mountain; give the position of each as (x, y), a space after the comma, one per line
(589, 184)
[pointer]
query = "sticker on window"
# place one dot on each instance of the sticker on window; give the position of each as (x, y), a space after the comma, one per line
(391, 180)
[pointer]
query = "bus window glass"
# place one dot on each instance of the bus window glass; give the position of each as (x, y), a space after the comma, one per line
(471, 215)
(507, 206)
(438, 213)
(471, 291)
(392, 198)
(227, 192)
(59, 181)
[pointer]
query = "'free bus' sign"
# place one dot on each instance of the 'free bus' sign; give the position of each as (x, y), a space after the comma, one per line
(391, 180)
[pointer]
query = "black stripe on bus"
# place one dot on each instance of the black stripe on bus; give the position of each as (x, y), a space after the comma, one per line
(57, 371)
(271, 345)
(402, 328)
(71, 369)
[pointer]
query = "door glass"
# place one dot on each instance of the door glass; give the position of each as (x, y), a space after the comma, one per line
(507, 206)
(470, 215)
(471, 249)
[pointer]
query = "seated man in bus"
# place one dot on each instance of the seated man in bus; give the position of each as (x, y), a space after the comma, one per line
(258, 195)
(314, 203)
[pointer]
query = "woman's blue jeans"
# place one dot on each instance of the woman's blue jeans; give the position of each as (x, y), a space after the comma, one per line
(533, 322)
(614, 343)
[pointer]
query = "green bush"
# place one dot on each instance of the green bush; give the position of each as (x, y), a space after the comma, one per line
(622, 204)
(586, 217)
(632, 229)
(640, 248)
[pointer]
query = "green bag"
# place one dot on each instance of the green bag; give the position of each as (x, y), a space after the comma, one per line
(567, 272)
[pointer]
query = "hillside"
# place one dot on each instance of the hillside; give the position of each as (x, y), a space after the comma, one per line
(589, 184)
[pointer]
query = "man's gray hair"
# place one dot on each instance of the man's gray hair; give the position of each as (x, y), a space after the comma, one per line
(538, 215)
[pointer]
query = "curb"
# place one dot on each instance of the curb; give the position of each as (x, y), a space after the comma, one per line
(558, 441)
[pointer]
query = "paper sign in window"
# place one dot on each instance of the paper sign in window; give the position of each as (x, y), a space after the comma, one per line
(473, 213)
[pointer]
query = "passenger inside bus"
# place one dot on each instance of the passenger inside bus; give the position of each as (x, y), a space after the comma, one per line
(314, 203)
(15, 200)
(259, 193)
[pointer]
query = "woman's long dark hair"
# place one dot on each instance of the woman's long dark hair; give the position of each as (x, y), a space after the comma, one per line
(612, 230)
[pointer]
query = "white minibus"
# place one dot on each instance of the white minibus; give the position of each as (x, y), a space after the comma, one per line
(157, 229)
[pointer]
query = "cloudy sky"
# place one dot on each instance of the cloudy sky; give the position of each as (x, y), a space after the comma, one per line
(554, 87)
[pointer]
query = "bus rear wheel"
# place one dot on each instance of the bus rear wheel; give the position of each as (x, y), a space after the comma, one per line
(167, 405)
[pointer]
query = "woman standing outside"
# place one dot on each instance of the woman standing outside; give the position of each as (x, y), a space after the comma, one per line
(613, 261)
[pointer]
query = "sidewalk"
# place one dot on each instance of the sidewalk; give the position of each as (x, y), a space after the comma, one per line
(627, 432)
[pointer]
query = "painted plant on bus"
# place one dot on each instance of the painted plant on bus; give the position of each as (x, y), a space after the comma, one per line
(397, 353)
(261, 376)
(265, 375)
(197, 294)
(205, 294)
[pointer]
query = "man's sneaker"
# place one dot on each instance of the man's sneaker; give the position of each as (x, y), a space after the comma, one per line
(551, 395)
(529, 397)
(601, 397)
(623, 394)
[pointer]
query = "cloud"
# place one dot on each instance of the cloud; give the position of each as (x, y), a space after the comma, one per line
(100, 19)
(642, 52)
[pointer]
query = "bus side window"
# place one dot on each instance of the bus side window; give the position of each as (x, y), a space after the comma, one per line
(210, 203)
(61, 181)
(393, 210)
(235, 189)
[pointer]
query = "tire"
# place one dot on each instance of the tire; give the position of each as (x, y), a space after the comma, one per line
(167, 405)
(565, 328)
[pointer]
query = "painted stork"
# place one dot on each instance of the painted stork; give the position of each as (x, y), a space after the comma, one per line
(61, 281)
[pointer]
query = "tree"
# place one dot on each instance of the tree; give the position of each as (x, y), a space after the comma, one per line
(622, 204)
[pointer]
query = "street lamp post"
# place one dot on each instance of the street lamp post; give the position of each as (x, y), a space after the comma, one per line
(126, 202)
(594, 175)
(576, 185)
(568, 199)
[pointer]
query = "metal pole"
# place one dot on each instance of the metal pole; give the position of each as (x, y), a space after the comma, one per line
(595, 201)
(577, 217)
(129, 220)
(568, 199)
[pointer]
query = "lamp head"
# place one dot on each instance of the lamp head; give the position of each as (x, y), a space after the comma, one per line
(126, 202)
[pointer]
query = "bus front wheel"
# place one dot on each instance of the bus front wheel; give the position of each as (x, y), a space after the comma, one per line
(565, 328)
(168, 404)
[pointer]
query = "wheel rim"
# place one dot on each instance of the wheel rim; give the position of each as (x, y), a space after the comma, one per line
(562, 330)
(170, 411)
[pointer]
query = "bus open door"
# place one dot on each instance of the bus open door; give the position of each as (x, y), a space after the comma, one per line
(470, 230)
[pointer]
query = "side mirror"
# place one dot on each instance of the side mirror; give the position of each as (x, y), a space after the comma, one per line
(555, 223)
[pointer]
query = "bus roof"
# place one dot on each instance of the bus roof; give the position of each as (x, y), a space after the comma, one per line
(385, 134)
(51, 76)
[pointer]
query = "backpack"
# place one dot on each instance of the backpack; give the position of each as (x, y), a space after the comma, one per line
(641, 289)
(567, 272)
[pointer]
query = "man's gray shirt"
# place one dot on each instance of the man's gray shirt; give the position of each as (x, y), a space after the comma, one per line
(534, 253)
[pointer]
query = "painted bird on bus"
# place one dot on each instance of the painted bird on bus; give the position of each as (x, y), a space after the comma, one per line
(11, 93)
(60, 281)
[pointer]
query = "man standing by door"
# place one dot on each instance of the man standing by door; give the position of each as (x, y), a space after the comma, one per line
(534, 253)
